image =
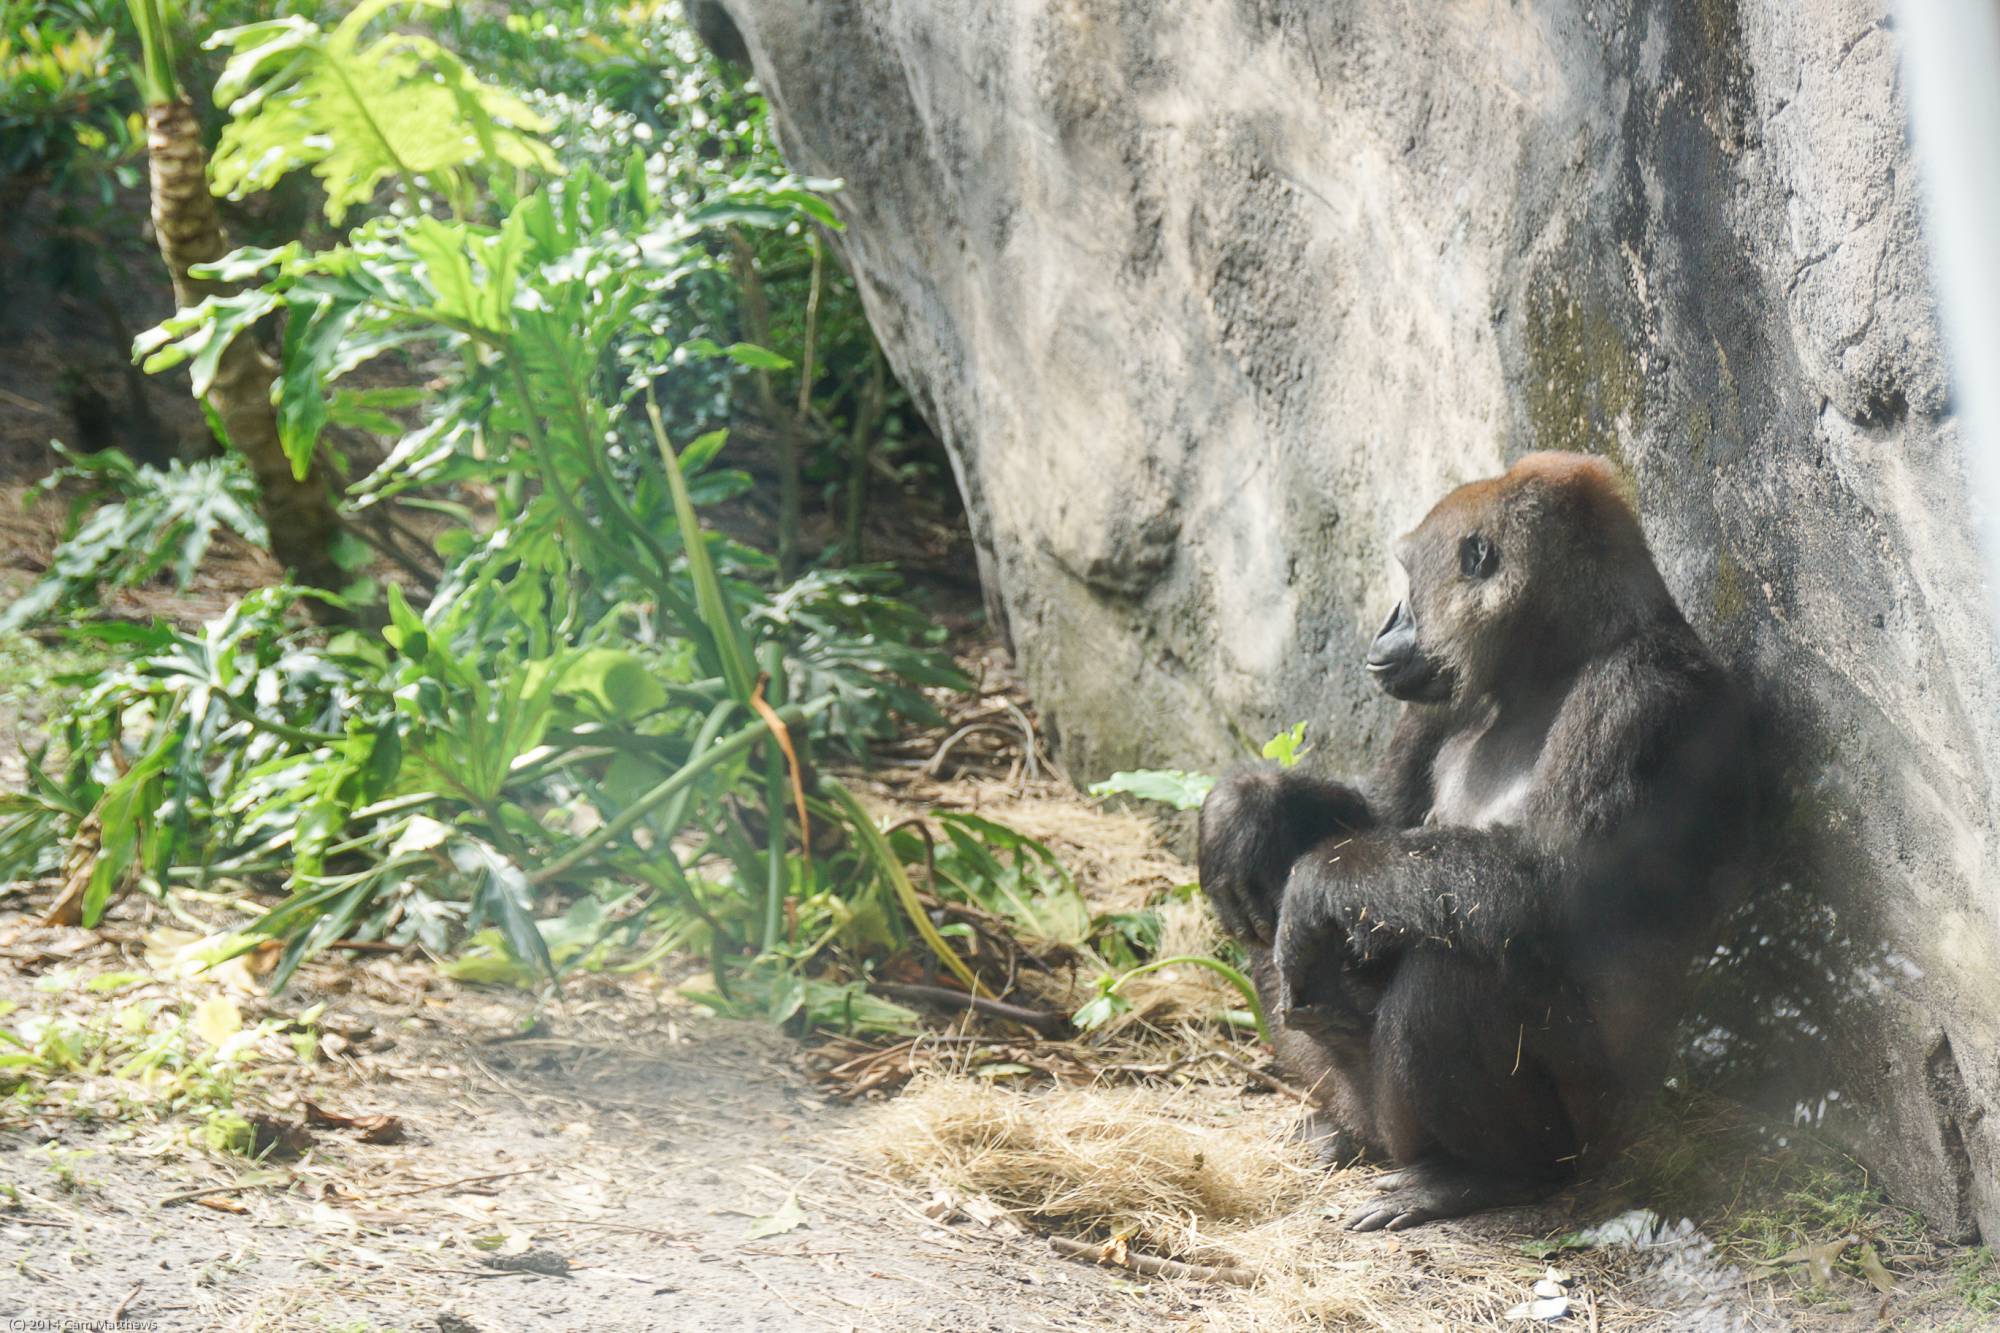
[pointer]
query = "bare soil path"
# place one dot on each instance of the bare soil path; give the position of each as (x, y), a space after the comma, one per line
(641, 1146)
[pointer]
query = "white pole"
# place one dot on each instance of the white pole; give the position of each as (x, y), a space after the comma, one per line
(1951, 68)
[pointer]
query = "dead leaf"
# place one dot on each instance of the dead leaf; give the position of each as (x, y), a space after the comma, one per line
(330, 1221)
(79, 865)
(262, 960)
(275, 1136)
(221, 1204)
(1819, 1258)
(987, 1213)
(789, 1217)
(381, 1128)
(217, 1019)
(1872, 1268)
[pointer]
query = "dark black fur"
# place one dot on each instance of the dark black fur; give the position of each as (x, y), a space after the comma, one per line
(1478, 1004)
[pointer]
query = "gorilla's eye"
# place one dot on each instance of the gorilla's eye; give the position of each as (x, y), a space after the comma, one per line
(1477, 557)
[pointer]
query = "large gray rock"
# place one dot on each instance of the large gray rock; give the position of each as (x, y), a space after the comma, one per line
(1210, 300)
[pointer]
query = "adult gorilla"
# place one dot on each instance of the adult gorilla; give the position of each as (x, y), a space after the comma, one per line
(1477, 961)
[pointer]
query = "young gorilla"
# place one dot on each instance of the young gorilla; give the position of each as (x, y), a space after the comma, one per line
(1476, 961)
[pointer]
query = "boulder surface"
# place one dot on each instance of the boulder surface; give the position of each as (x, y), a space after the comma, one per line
(1211, 300)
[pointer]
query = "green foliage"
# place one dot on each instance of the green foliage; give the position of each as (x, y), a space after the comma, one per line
(1009, 874)
(70, 132)
(117, 1044)
(786, 997)
(1108, 1003)
(1167, 786)
(1288, 746)
(561, 738)
(148, 519)
(359, 112)
(1186, 791)
(60, 86)
(1976, 1277)
(868, 653)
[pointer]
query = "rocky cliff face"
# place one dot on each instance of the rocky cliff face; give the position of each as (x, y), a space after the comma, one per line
(1210, 300)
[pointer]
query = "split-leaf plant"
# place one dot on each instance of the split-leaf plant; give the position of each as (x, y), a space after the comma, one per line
(593, 716)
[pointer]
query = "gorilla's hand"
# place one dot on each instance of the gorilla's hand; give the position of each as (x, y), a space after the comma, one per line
(1325, 988)
(1254, 825)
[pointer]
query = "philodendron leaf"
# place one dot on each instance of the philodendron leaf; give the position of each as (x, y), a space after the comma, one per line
(1169, 786)
(505, 895)
(757, 358)
(1288, 746)
(617, 680)
(789, 1217)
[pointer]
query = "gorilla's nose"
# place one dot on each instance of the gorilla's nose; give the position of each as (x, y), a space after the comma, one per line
(1395, 643)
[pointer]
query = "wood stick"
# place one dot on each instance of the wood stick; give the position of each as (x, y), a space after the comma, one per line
(1043, 1021)
(188, 1196)
(1150, 1266)
(1247, 1070)
(451, 1184)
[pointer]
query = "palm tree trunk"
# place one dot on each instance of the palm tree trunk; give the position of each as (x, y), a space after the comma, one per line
(299, 513)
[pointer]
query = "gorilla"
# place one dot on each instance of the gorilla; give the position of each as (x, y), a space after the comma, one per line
(1476, 958)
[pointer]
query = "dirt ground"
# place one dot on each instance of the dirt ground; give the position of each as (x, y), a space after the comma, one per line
(618, 1158)
(638, 1140)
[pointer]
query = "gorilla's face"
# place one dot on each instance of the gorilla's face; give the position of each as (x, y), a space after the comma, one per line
(1463, 595)
(1399, 665)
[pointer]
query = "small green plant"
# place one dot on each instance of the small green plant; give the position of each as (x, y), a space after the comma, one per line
(1288, 746)
(66, 1165)
(1166, 786)
(1183, 790)
(99, 1055)
(1008, 874)
(1976, 1280)
(1108, 1003)
(1814, 1203)
(146, 520)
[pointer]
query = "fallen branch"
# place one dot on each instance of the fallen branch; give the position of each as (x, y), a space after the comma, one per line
(1147, 1265)
(189, 1196)
(1042, 1021)
(453, 1184)
(1249, 1071)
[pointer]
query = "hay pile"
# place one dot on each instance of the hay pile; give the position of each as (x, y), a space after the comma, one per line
(1177, 1175)
(1095, 1162)
(1195, 1172)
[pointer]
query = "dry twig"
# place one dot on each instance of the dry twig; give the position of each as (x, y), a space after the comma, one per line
(1113, 1255)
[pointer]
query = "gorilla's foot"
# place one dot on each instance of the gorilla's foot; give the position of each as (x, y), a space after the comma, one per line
(1334, 1145)
(1432, 1190)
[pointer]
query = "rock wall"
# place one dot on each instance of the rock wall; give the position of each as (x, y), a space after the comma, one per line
(1210, 300)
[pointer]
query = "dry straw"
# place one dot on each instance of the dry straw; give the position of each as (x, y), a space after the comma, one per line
(1180, 1176)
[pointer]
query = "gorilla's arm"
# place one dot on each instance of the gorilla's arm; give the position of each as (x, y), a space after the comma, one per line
(1627, 780)
(1486, 891)
(1254, 825)
(1259, 821)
